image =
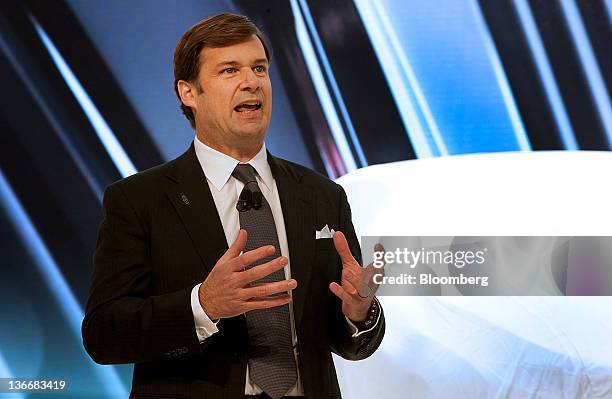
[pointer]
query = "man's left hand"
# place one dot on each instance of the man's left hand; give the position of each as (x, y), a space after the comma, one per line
(355, 292)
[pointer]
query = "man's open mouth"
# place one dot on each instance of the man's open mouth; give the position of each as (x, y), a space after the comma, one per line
(248, 106)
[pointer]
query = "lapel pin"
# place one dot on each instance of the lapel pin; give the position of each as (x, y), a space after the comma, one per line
(185, 199)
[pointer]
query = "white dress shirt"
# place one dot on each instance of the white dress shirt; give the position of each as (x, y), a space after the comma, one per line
(225, 190)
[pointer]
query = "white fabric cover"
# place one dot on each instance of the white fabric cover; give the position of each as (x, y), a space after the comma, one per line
(487, 347)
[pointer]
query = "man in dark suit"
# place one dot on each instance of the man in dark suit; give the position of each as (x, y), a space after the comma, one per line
(219, 273)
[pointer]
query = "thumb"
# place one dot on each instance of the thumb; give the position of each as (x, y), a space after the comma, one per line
(236, 248)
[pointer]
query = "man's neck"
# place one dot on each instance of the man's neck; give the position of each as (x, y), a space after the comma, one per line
(242, 154)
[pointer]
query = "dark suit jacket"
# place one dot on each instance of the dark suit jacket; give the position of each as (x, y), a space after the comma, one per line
(161, 235)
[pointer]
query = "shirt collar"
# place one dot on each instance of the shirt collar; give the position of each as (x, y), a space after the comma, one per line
(218, 167)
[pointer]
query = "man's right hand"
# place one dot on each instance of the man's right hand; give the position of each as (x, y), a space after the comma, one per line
(226, 291)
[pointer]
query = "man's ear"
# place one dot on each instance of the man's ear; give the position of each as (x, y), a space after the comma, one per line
(187, 92)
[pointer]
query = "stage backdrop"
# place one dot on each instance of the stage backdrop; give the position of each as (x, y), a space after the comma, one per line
(87, 99)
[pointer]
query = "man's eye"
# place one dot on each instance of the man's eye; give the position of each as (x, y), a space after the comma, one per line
(229, 70)
(260, 69)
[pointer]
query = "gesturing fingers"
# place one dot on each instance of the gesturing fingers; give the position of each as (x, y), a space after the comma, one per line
(370, 273)
(260, 271)
(234, 250)
(265, 303)
(343, 294)
(223, 294)
(241, 262)
(267, 290)
(343, 249)
(360, 285)
(338, 291)
(351, 281)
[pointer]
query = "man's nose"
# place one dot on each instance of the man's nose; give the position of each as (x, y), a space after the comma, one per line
(250, 81)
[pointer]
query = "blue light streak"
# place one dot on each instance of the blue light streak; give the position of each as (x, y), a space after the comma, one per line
(103, 131)
(404, 86)
(321, 89)
(5, 372)
(608, 4)
(500, 76)
(546, 74)
(49, 115)
(589, 65)
(54, 279)
(332, 80)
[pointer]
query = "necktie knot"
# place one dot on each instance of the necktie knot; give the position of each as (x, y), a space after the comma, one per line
(251, 196)
(245, 173)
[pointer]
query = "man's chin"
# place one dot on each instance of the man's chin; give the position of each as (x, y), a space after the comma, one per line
(250, 131)
(250, 137)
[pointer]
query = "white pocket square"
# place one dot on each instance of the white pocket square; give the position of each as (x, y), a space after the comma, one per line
(325, 232)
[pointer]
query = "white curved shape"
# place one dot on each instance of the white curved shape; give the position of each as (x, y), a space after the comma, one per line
(513, 193)
(487, 347)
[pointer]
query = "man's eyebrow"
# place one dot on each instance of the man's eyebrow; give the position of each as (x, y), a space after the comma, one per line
(223, 63)
(234, 63)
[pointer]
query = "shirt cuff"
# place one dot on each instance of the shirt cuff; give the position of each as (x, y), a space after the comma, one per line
(205, 327)
(352, 328)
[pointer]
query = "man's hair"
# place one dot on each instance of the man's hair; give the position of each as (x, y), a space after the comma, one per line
(220, 30)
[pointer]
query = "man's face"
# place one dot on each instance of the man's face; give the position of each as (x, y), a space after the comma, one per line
(233, 109)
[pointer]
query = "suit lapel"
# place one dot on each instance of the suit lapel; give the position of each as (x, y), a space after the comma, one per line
(297, 203)
(192, 199)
